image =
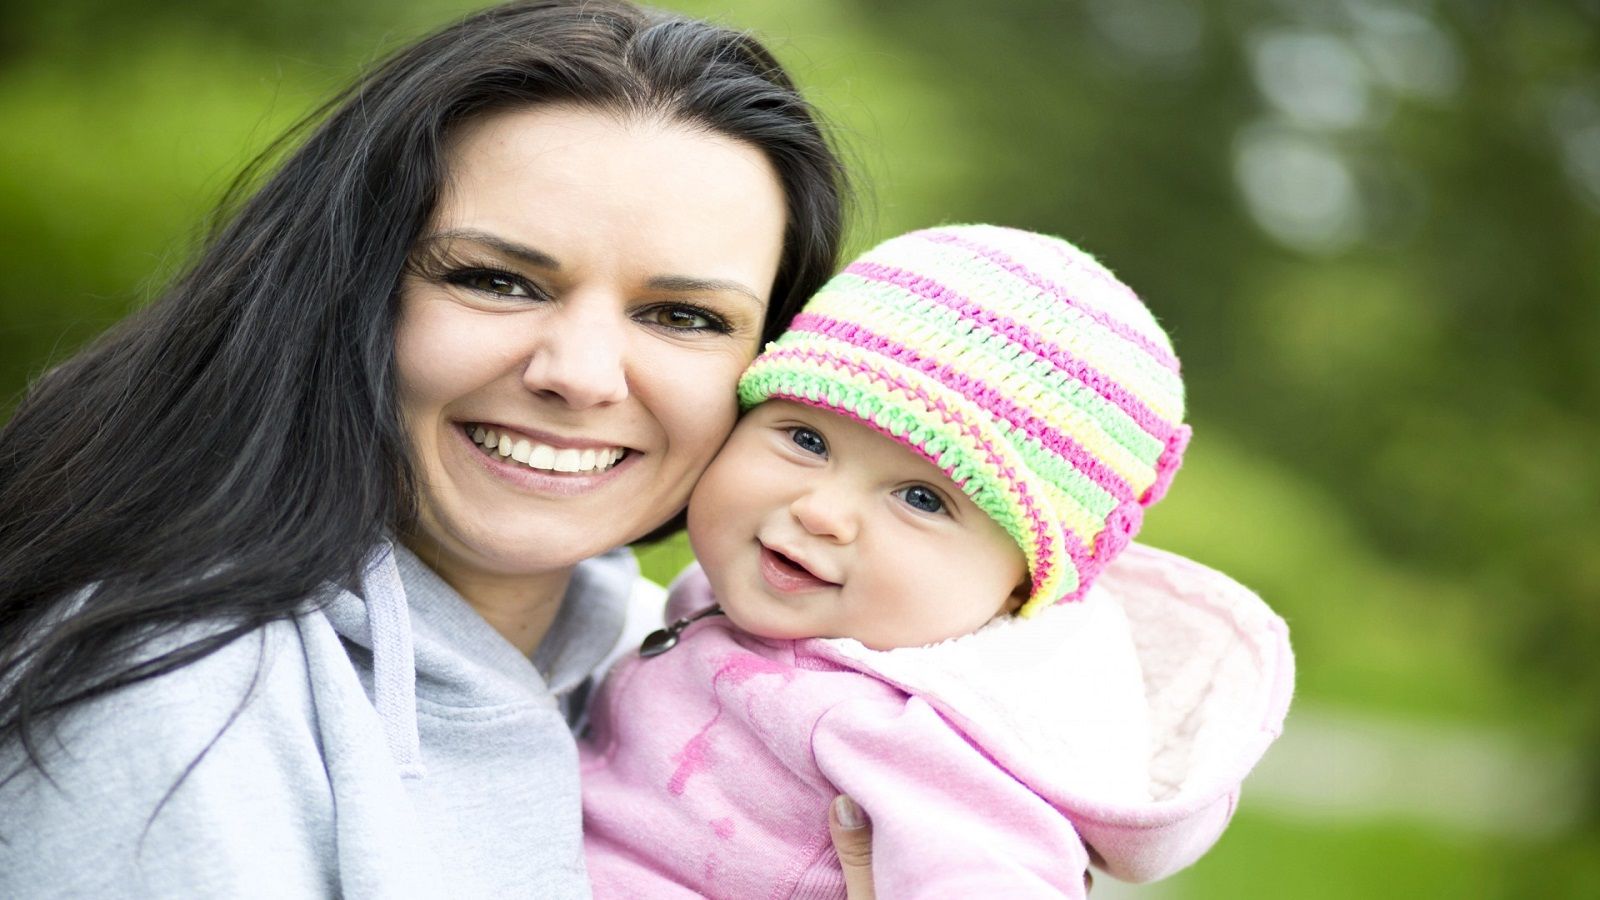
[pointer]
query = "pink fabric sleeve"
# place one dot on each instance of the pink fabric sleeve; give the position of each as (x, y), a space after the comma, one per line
(946, 820)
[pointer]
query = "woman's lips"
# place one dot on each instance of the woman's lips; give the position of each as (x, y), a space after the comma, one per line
(787, 576)
(505, 444)
(539, 481)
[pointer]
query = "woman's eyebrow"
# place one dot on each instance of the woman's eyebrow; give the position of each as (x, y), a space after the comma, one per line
(521, 252)
(678, 284)
(686, 284)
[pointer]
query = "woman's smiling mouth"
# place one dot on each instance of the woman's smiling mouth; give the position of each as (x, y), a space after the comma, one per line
(509, 446)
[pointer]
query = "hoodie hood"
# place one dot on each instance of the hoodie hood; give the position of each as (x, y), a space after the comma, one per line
(1136, 711)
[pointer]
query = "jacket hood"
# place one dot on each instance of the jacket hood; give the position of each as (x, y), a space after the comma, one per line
(1135, 711)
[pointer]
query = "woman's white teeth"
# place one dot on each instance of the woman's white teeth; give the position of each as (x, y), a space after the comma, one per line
(543, 456)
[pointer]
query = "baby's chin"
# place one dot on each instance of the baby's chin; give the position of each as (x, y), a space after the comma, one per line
(768, 629)
(778, 631)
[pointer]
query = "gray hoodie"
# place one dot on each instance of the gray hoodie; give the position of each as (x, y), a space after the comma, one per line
(387, 746)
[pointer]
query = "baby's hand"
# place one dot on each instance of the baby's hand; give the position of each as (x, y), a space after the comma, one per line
(852, 840)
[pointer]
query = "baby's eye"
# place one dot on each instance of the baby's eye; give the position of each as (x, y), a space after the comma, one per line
(809, 441)
(922, 498)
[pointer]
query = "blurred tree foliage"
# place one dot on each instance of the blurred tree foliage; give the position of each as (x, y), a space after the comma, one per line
(1373, 227)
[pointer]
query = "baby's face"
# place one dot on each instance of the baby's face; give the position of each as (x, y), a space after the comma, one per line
(810, 524)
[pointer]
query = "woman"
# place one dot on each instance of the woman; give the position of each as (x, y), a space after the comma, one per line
(298, 565)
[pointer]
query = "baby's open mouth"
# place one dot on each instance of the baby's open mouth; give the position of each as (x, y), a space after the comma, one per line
(543, 457)
(791, 571)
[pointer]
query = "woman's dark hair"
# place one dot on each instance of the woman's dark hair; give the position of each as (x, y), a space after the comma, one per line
(233, 447)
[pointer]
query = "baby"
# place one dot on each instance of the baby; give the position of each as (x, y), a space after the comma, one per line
(915, 587)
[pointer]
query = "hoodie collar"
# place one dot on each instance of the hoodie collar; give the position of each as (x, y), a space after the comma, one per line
(424, 638)
(444, 628)
(589, 622)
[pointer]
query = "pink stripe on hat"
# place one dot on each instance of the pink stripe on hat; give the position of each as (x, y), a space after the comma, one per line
(1075, 258)
(1019, 334)
(977, 391)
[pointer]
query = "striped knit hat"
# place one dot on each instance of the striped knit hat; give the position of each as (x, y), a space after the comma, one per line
(1017, 364)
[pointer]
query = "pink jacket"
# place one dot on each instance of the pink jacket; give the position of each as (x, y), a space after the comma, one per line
(989, 764)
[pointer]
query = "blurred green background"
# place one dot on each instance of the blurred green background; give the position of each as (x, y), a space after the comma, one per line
(1372, 226)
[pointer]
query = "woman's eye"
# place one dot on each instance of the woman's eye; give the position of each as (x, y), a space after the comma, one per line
(488, 282)
(922, 498)
(685, 318)
(809, 441)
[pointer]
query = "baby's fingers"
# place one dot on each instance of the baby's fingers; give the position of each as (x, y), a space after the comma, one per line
(852, 840)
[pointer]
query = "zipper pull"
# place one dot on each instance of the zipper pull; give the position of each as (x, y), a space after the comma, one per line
(659, 642)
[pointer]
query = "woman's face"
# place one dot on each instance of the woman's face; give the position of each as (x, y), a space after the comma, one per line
(571, 330)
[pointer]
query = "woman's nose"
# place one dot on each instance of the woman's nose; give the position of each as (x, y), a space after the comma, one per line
(826, 514)
(580, 357)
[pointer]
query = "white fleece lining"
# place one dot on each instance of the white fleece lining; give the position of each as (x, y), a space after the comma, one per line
(1154, 687)
(1062, 689)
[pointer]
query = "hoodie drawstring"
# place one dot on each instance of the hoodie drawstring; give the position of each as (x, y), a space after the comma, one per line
(394, 672)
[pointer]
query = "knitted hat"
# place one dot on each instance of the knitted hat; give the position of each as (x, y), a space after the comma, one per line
(1017, 364)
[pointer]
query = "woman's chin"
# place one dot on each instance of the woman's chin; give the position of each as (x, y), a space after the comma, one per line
(484, 551)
